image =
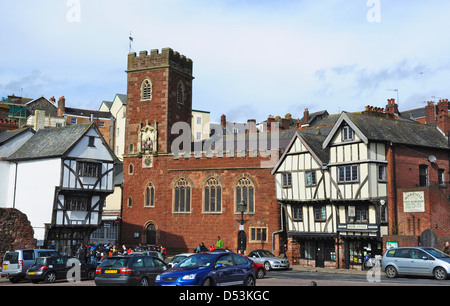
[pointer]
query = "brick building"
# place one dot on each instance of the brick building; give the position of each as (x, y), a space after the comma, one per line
(181, 201)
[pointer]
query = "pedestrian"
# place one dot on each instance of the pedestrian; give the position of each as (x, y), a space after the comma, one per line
(93, 255)
(446, 249)
(285, 251)
(81, 253)
(203, 248)
(219, 243)
(211, 248)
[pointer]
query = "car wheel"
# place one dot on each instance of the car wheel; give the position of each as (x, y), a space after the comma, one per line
(50, 277)
(267, 265)
(91, 274)
(144, 282)
(440, 273)
(260, 273)
(208, 282)
(250, 281)
(391, 272)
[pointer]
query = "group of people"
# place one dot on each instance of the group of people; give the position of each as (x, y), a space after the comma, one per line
(94, 253)
(202, 247)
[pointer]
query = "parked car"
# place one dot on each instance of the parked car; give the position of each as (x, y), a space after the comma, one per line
(16, 263)
(210, 269)
(137, 270)
(416, 261)
(270, 261)
(179, 257)
(260, 269)
(52, 268)
(151, 253)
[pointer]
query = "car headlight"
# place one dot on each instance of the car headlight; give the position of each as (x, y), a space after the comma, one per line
(158, 277)
(189, 277)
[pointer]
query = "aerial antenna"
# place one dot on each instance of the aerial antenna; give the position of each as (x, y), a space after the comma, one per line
(131, 40)
(398, 100)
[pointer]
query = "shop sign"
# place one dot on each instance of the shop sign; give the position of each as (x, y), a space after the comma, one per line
(391, 244)
(413, 201)
(356, 226)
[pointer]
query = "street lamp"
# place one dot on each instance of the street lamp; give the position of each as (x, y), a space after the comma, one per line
(242, 238)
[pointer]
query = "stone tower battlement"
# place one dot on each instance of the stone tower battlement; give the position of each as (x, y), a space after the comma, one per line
(157, 60)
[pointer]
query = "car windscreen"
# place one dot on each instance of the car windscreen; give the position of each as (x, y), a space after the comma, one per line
(202, 260)
(266, 254)
(114, 262)
(178, 258)
(12, 257)
(437, 253)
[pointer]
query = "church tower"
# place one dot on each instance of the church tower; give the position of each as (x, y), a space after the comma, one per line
(159, 94)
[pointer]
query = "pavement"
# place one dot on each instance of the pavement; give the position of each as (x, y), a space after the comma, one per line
(327, 270)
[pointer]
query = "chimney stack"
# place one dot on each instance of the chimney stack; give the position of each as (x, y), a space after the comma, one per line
(305, 118)
(251, 126)
(223, 121)
(61, 106)
(392, 107)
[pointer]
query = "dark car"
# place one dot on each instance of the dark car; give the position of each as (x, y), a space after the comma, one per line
(137, 270)
(50, 269)
(210, 269)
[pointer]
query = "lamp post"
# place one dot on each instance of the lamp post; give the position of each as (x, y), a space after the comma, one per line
(242, 238)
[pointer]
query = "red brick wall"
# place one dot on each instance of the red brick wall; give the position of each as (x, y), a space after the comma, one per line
(437, 207)
(183, 232)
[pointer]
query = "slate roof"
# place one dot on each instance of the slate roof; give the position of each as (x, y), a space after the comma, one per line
(7, 135)
(399, 131)
(48, 143)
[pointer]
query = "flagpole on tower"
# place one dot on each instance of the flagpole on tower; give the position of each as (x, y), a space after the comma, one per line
(131, 40)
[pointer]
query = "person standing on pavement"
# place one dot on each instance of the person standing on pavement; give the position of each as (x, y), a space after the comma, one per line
(81, 253)
(446, 249)
(219, 243)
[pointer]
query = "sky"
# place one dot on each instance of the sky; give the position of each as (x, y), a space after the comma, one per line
(251, 58)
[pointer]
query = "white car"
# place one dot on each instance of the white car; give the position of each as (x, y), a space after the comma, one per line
(270, 261)
(179, 257)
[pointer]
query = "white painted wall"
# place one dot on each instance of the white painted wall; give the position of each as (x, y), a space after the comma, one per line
(36, 183)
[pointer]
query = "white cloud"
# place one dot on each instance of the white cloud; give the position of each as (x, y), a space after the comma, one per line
(260, 57)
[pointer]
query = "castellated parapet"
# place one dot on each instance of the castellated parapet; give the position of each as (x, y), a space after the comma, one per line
(157, 60)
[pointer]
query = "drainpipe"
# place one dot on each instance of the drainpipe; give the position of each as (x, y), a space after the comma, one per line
(279, 231)
(15, 185)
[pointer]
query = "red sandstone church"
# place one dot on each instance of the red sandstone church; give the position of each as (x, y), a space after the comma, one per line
(179, 201)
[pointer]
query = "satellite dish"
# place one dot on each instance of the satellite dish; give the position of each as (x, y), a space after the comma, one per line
(432, 158)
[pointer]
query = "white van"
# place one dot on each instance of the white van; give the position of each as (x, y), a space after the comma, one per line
(16, 263)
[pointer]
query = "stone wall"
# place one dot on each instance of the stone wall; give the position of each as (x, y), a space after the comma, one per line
(16, 231)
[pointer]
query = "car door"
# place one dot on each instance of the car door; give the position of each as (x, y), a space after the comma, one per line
(59, 265)
(226, 271)
(138, 266)
(421, 263)
(154, 267)
(403, 260)
(241, 268)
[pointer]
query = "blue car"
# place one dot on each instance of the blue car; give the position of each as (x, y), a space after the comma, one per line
(210, 269)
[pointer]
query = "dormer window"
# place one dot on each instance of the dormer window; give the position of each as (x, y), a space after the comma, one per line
(347, 133)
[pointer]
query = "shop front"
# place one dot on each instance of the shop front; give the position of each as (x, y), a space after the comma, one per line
(359, 242)
(314, 250)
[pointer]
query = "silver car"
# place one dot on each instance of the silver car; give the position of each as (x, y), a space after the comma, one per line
(269, 260)
(416, 261)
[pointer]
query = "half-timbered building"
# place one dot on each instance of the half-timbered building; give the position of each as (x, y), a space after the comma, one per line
(60, 178)
(337, 188)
